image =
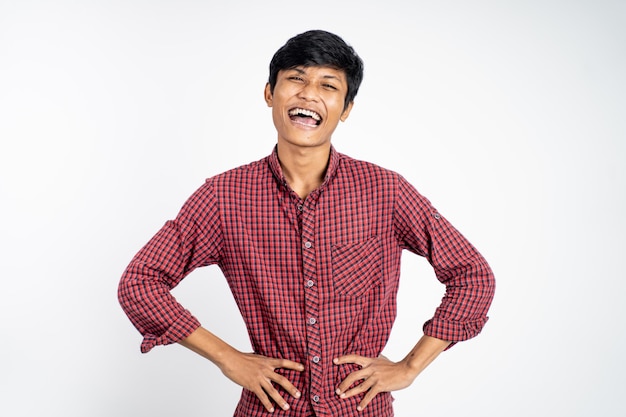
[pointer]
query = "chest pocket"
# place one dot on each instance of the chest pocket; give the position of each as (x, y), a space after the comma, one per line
(357, 267)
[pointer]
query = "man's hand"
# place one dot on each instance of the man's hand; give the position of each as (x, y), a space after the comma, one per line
(377, 375)
(382, 375)
(256, 373)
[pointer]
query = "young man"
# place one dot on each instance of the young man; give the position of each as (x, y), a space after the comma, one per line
(310, 242)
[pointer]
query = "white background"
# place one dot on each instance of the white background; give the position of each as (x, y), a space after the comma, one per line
(508, 115)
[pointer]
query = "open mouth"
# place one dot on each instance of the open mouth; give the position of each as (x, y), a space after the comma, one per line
(305, 117)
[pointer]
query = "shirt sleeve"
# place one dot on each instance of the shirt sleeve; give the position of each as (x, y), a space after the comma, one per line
(469, 280)
(191, 240)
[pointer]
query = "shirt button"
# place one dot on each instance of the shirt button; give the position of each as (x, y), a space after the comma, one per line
(316, 359)
(300, 207)
(308, 245)
(312, 320)
(316, 398)
(310, 283)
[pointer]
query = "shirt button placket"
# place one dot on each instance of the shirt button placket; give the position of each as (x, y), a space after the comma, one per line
(311, 295)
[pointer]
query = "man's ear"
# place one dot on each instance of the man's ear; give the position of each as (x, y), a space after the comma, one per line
(346, 111)
(268, 95)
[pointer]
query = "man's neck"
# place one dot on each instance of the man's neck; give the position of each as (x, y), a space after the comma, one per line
(303, 168)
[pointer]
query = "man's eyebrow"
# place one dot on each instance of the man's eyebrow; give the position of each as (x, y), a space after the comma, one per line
(296, 69)
(329, 76)
(334, 77)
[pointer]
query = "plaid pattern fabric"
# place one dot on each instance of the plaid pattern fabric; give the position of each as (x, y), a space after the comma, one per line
(314, 279)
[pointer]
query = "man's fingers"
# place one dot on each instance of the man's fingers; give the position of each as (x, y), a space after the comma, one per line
(281, 380)
(354, 376)
(286, 384)
(344, 390)
(274, 395)
(357, 359)
(367, 386)
(369, 396)
(258, 374)
(287, 364)
(262, 396)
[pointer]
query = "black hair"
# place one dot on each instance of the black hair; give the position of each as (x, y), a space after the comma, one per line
(319, 48)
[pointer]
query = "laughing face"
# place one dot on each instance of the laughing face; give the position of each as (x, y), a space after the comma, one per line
(307, 104)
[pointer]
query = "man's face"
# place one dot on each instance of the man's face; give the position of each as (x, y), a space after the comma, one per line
(307, 104)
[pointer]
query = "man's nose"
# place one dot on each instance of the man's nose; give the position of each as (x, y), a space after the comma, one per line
(309, 92)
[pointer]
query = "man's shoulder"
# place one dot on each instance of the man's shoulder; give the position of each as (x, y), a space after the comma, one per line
(249, 171)
(363, 167)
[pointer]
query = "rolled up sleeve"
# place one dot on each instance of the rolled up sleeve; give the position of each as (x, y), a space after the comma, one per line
(469, 280)
(181, 245)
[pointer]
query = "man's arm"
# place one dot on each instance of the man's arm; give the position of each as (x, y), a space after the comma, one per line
(382, 375)
(145, 296)
(193, 239)
(470, 287)
(253, 372)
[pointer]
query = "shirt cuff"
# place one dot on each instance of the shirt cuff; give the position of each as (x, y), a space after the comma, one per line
(180, 329)
(453, 331)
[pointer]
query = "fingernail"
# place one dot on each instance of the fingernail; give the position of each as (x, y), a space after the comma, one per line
(338, 391)
(286, 407)
(271, 410)
(359, 408)
(335, 361)
(297, 394)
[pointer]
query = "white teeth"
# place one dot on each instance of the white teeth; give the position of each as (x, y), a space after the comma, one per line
(305, 112)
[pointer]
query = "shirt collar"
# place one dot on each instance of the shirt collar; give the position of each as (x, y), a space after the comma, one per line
(331, 170)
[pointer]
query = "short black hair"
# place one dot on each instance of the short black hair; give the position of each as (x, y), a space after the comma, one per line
(319, 48)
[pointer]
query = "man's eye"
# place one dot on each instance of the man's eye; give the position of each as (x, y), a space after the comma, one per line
(330, 86)
(295, 78)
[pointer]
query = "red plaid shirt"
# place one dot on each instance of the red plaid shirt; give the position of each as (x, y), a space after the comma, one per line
(314, 279)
